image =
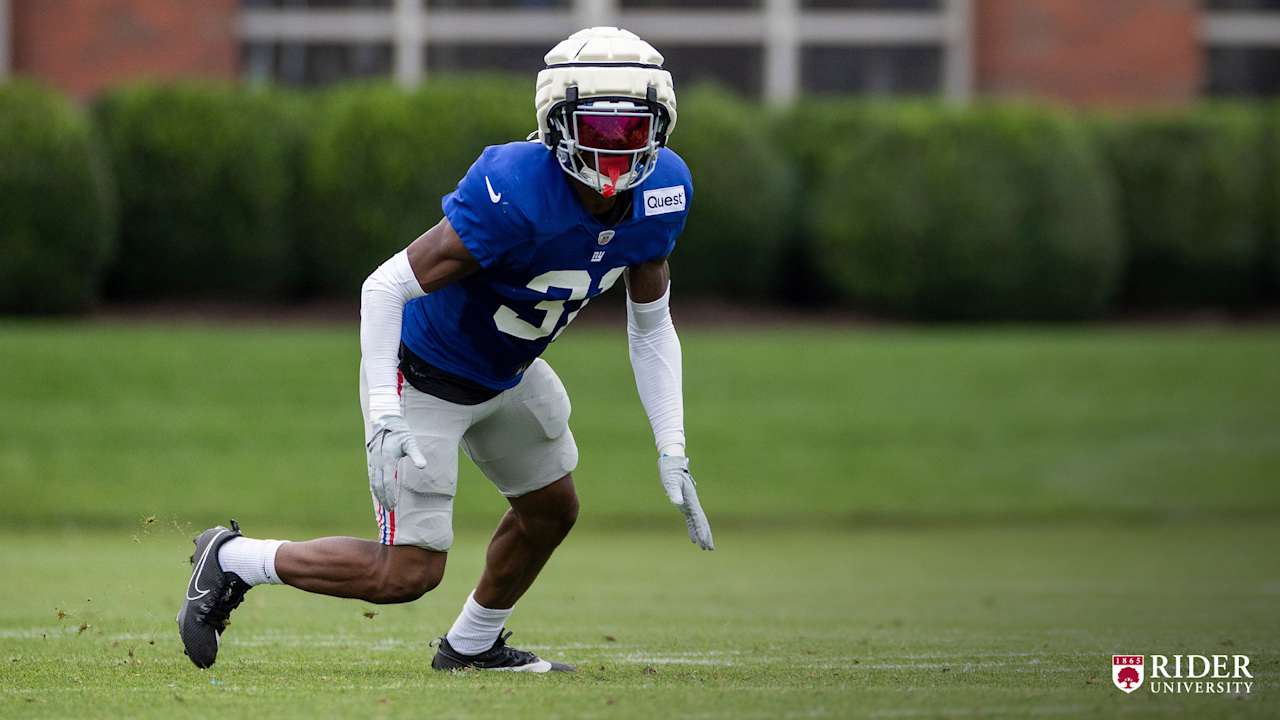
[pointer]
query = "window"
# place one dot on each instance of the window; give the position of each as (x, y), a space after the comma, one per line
(1243, 71)
(880, 47)
(931, 5)
(699, 4)
(901, 61)
(871, 70)
(738, 67)
(1242, 4)
(453, 57)
(516, 4)
(317, 4)
(311, 64)
(1242, 55)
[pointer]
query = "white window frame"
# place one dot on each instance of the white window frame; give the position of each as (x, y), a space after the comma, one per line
(1240, 28)
(780, 27)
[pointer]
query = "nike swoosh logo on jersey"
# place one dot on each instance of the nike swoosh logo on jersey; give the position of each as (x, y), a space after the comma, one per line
(195, 574)
(494, 196)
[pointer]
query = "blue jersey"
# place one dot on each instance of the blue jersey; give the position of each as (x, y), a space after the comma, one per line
(543, 257)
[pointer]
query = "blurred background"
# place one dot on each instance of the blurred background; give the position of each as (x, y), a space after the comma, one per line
(977, 299)
(914, 159)
(905, 210)
(195, 191)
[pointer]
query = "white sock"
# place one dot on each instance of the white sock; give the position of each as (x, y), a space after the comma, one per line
(477, 627)
(253, 560)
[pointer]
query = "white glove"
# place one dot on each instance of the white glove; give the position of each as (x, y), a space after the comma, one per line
(683, 493)
(391, 441)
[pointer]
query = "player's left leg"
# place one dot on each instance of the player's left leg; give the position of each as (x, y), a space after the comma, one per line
(528, 534)
(527, 451)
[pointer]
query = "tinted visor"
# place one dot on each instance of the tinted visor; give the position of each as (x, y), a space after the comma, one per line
(613, 132)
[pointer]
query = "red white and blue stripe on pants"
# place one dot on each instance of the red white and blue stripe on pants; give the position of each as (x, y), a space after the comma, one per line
(386, 525)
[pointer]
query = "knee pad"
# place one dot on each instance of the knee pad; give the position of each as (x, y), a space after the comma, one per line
(424, 514)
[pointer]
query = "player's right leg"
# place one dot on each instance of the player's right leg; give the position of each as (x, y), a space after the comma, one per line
(226, 565)
(406, 561)
(351, 568)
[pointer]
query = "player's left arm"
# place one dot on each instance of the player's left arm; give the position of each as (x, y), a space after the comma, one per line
(656, 361)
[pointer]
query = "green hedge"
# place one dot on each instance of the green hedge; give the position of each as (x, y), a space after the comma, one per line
(810, 135)
(808, 132)
(744, 199)
(207, 181)
(1190, 202)
(990, 212)
(913, 209)
(381, 159)
(55, 204)
(1271, 201)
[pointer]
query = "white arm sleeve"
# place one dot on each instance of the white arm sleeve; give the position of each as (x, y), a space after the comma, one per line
(655, 359)
(382, 301)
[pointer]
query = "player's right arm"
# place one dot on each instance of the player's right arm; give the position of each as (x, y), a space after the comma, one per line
(431, 262)
(438, 257)
(478, 230)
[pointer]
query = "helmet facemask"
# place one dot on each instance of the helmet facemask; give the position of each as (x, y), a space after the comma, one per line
(610, 144)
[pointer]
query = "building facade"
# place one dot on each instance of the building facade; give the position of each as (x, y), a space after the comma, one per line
(1078, 51)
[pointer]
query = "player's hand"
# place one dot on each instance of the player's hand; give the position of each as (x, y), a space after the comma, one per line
(391, 441)
(683, 493)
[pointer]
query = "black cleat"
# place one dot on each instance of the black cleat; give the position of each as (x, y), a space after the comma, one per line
(499, 657)
(211, 596)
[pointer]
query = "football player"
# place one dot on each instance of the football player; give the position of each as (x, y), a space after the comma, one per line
(450, 333)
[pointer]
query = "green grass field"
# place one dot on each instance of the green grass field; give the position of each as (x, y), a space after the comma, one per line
(910, 523)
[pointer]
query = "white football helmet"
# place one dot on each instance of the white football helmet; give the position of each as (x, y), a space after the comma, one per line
(605, 106)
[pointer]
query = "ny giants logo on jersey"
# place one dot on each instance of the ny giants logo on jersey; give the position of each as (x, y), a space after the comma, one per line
(664, 200)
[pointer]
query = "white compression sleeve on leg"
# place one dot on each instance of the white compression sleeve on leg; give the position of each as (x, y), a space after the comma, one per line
(382, 301)
(655, 359)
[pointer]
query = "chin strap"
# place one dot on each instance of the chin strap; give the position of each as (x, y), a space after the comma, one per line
(614, 167)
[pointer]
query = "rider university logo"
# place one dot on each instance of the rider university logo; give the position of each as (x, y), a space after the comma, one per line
(1127, 672)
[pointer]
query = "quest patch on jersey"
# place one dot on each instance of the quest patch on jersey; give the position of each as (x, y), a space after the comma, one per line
(664, 200)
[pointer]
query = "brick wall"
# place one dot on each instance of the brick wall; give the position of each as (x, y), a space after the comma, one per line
(1089, 51)
(82, 46)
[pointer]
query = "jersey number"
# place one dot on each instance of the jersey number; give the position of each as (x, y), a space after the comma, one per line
(577, 282)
